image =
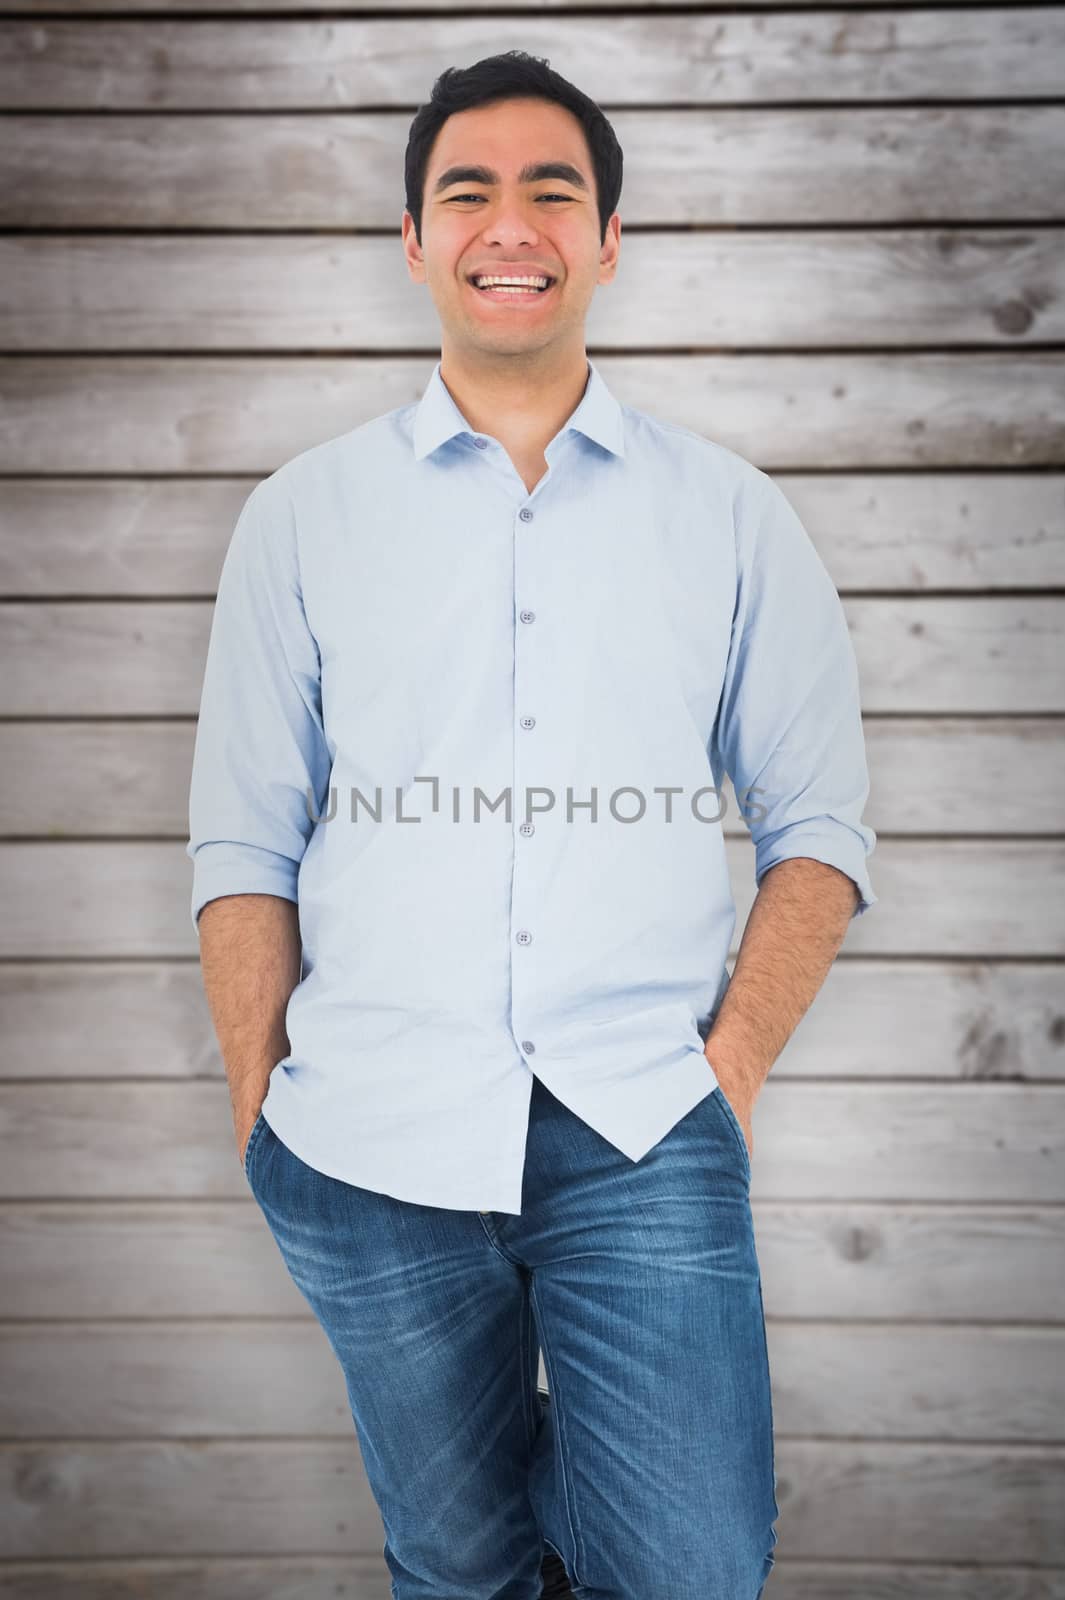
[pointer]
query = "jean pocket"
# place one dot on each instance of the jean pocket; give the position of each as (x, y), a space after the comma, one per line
(257, 1127)
(734, 1123)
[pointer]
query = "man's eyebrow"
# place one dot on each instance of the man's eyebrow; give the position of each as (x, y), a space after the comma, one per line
(533, 172)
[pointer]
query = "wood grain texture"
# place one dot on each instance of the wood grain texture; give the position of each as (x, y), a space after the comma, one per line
(201, 1379)
(820, 1141)
(977, 899)
(218, 1497)
(804, 166)
(873, 1020)
(968, 1262)
(842, 258)
(893, 288)
(908, 532)
(107, 778)
(916, 654)
(853, 410)
(251, 10)
(356, 63)
(354, 1577)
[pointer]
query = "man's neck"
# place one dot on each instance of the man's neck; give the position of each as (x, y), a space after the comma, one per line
(521, 406)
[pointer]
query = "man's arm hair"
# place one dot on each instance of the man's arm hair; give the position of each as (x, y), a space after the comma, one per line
(798, 922)
(250, 956)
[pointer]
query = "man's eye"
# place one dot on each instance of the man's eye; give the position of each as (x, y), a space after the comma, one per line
(539, 197)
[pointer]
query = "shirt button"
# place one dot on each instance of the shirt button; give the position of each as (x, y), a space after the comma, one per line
(526, 828)
(524, 936)
(527, 616)
(528, 1046)
(528, 722)
(482, 444)
(525, 514)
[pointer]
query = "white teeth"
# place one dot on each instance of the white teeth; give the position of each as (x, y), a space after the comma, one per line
(530, 285)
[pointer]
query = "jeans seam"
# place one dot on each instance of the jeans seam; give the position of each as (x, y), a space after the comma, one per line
(772, 1424)
(559, 1418)
(524, 1348)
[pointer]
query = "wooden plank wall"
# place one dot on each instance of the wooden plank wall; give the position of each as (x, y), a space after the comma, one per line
(842, 256)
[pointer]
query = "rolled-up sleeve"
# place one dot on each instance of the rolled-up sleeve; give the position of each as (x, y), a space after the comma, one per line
(260, 745)
(789, 722)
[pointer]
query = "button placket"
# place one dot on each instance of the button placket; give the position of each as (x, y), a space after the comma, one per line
(526, 723)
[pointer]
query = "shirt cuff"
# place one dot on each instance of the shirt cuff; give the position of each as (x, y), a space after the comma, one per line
(839, 848)
(222, 866)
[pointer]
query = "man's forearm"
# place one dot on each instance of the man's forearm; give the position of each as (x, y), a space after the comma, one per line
(250, 955)
(797, 923)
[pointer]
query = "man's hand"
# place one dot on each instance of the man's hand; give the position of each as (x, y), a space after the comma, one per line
(250, 953)
(800, 915)
(740, 1094)
(244, 1136)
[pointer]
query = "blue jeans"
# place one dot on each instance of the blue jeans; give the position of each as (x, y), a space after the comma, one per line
(651, 1471)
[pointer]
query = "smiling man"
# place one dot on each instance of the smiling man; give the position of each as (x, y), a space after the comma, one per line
(513, 294)
(477, 670)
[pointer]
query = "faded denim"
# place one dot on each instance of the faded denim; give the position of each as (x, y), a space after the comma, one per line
(651, 1472)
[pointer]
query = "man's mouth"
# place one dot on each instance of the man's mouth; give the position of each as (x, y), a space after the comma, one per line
(511, 288)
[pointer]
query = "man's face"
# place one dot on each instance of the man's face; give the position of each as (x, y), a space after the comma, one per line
(486, 210)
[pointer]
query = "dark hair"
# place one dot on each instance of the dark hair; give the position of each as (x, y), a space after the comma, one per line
(512, 75)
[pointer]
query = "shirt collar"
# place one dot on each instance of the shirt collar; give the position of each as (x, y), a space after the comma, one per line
(598, 415)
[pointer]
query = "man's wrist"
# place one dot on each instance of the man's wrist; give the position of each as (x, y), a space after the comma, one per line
(731, 1070)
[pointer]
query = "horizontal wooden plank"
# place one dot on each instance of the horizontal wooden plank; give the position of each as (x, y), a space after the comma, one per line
(904, 1019)
(353, 1577)
(814, 290)
(133, 777)
(165, 641)
(120, 1019)
(823, 1141)
(852, 164)
(635, 60)
(950, 530)
(991, 900)
(877, 1499)
(168, 536)
(915, 1019)
(189, 1380)
(211, 1258)
(908, 532)
(951, 775)
(348, 1577)
(916, 653)
(838, 1499)
(954, 655)
(199, 414)
(192, 1259)
(896, 1381)
(175, 1498)
(264, 8)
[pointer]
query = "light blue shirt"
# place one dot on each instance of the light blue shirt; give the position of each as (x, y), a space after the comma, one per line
(404, 636)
